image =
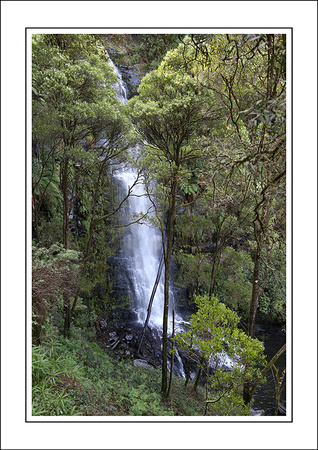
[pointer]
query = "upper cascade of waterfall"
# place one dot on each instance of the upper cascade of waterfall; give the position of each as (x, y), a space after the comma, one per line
(120, 87)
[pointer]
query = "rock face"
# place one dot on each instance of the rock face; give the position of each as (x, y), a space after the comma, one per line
(132, 77)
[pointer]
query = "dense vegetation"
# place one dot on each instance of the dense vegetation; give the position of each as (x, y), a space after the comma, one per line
(210, 123)
(76, 377)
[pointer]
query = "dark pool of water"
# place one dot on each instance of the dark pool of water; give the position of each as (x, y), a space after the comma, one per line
(264, 398)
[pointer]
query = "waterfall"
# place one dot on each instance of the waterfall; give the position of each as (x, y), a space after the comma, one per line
(141, 253)
(142, 243)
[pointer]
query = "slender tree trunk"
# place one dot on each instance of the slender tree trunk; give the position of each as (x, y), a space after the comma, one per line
(172, 355)
(67, 315)
(260, 234)
(213, 271)
(249, 391)
(93, 209)
(89, 239)
(171, 218)
(65, 170)
(154, 290)
(189, 366)
(255, 290)
(215, 265)
(195, 387)
(188, 373)
(36, 218)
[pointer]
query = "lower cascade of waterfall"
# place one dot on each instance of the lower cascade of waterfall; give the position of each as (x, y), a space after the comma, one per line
(142, 248)
(140, 255)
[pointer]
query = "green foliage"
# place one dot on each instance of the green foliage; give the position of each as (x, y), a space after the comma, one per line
(49, 370)
(76, 377)
(233, 284)
(190, 186)
(213, 115)
(142, 50)
(194, 272)
(212, 335)
(272, 305)
(170, 112)
(55, 273)
(79, 107)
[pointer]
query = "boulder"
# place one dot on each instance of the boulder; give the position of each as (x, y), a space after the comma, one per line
(142, 363)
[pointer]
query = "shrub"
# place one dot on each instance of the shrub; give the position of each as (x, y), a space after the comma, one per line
(212, 338)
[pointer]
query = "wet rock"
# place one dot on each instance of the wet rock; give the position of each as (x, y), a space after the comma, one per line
(257, 412)
(123, 338)
(112, 335)
(129, 337)
(132, 77)
(100, 325)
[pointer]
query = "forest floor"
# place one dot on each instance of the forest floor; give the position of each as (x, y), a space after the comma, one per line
(78, 378)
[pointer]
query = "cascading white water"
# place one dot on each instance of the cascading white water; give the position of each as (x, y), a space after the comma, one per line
(143, 249)
(142, 242)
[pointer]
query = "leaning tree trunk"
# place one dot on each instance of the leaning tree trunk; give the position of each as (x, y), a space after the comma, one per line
(172, 355)
(248, 390)
(260, 234)
(153, 293)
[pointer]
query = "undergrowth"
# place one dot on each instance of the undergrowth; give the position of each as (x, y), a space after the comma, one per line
(76, 377)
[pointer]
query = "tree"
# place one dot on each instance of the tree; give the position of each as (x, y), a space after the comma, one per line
(55, 280)
(79, 103)
(248, 75)
(212, 338)
(170, 113)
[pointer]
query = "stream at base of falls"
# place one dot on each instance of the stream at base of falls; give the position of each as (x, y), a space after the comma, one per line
(264, 398)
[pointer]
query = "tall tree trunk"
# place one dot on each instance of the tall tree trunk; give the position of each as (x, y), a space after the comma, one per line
(35, 218)
(167, 258)
(172, 355)
(215, 265)
(261, 235)
(255, 290)
(89, 239)
(198, 377)
(67, 315)
(65, 169)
